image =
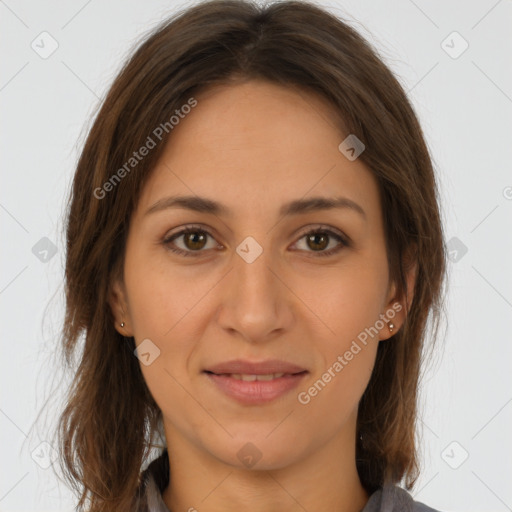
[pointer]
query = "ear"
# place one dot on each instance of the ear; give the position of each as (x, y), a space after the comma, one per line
(398, 306)
(118, 303)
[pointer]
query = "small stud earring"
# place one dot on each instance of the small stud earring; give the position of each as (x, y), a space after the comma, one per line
(391, 326)
(122, 324)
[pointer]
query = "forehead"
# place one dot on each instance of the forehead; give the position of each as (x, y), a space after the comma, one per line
(258, 143)
(246, 116)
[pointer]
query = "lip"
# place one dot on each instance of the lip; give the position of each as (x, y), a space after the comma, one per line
(255, 392)
(255, 368)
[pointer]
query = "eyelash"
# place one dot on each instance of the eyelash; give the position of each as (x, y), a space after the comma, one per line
(196, 229)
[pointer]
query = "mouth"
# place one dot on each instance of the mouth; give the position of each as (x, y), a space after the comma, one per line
(243, 367)
(255, 383)
(246, 377)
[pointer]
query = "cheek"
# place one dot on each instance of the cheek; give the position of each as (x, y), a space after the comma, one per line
(335, 391)
(167, 306)
(160, 309)
(347, 299)
(349, 307)
(160, 294)
(334, 400)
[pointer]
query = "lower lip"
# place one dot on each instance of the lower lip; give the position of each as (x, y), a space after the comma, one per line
(256, 392)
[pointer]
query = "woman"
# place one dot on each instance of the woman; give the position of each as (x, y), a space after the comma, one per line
(254, 247)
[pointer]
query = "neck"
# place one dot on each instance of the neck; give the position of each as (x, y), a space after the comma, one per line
(326, 480)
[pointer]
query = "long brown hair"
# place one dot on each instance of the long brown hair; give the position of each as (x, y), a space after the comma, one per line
(110, 418)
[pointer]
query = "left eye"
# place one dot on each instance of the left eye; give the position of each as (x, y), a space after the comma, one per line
(194, 240)
(321, 238)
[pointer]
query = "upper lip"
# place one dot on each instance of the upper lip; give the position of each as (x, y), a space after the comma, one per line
(239, 366)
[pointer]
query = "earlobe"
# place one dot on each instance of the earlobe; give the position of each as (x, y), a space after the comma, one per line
(397, 308)
(391, 322)
(118, 306)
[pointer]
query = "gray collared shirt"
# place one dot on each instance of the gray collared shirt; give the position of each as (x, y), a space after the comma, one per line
(389, 498)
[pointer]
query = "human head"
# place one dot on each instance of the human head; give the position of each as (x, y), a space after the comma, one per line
(217, 44)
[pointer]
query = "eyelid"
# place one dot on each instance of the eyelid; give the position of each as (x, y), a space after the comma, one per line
(169, 238)
(324, 228)
(190, 227)
(344, 240)
(332, 232)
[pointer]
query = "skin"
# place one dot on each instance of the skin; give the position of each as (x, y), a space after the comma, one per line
(253, 147)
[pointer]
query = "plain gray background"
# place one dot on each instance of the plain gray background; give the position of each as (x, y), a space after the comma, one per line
(463, 97)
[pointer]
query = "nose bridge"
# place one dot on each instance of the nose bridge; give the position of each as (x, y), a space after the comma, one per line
(252, 272)
(254, 305)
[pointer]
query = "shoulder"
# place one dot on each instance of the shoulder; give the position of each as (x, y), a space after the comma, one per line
(421, 507)
(392, 498)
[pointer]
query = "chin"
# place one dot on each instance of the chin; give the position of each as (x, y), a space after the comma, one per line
(258, 452)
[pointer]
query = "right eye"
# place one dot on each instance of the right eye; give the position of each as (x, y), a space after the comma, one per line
(194, 240)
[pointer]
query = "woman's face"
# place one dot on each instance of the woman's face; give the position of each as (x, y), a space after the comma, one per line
(252, 283)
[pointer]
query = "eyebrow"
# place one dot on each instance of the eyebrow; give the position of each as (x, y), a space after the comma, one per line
(298, 206)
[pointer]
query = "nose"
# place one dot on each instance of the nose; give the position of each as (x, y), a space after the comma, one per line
(255, 303)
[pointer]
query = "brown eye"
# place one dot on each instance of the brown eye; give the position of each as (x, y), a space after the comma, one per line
(317, 241)
(193, 240)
